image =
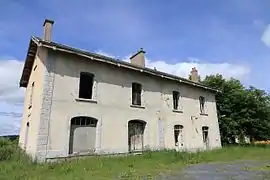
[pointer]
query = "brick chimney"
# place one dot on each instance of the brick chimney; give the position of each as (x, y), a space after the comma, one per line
(138, 58)
(194, 75)
(48, 24)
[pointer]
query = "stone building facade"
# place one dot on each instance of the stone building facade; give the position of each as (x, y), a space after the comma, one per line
(79, 103)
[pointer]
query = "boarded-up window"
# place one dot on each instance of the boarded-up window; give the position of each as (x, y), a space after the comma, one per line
(176, 96)
(86, 85)
(202, 104)
(136, 94)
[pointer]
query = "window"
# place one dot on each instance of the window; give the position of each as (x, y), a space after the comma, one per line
(202, 104)
(177, 131)
(31, 95)
(84, 121)
(176, 96)
(86, 85)
(35, 67)
(136, 94)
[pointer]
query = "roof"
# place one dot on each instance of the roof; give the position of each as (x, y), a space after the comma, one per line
(38, 42)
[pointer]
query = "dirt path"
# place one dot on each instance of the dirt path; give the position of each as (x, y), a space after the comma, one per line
(240, 170)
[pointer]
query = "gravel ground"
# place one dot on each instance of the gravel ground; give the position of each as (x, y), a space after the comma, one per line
(240, 170)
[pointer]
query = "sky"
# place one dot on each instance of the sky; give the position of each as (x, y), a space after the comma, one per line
(230, 37)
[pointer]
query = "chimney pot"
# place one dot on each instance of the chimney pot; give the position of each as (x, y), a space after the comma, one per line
(47, 25)
(138, 58)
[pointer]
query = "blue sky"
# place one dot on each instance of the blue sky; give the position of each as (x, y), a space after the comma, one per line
(231, 37)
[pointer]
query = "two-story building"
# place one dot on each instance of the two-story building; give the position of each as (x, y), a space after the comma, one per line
(78, 102)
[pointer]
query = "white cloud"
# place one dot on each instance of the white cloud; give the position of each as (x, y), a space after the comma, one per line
(11, 96)
(266, 36)
(183, 68)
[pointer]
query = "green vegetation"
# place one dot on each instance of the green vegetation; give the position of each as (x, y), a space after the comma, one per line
(241, 111)
(15, 165)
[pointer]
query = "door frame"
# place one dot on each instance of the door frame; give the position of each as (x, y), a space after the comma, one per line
(142, 124)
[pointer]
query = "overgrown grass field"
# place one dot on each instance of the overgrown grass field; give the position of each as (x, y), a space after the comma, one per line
(14, 164)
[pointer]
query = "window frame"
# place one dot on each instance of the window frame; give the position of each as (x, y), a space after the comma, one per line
(202, 104)
(176, 100)
(136, 94)
(83, 94)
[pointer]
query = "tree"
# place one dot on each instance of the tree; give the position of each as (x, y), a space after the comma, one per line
(241, 111)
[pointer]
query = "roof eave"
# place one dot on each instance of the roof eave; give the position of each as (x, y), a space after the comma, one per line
(28, 64)
(101, 58)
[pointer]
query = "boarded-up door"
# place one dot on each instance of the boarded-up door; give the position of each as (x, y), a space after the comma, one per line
(83, 135)
(161, 140)
(135, 135)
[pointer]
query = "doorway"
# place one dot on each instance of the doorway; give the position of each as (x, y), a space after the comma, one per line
(179, 137)
(82, 135)
(136, 135)
(205, 133)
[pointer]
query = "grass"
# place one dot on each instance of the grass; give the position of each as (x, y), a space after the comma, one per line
(17, 166)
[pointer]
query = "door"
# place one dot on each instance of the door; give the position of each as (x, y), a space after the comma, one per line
(83, 135)
(179, 137)
(161, 140)
(135, 136)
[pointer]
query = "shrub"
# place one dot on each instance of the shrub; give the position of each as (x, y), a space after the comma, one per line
(7, 149)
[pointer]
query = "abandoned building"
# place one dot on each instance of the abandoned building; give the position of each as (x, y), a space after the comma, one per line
(78, 103)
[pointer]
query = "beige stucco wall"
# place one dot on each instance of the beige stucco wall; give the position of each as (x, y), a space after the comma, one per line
(112, 93)
(32, 115)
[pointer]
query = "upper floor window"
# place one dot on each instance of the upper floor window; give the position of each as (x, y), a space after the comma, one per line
(86, 85)
(202, 104)
(136, 94)
(176, 96)
(31, 95)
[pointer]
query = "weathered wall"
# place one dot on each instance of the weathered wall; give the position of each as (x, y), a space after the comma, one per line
(32, 115)
(111, 106)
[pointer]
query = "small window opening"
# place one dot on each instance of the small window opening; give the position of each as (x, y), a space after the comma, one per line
(202, 104)
(176, 96)
(177, 130)
(86, 85)
(35, 67)
(27, 124)
(31, 95)
(136, 94)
